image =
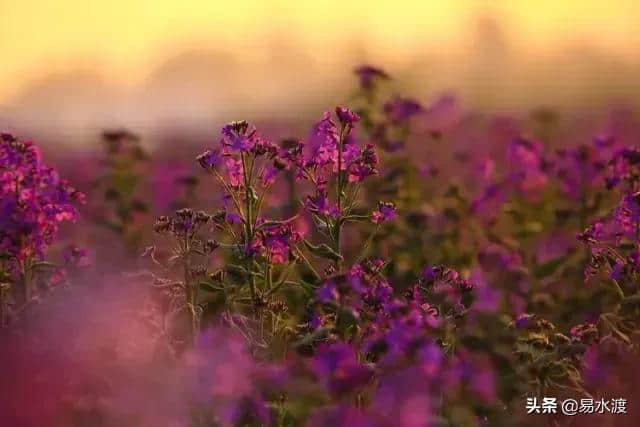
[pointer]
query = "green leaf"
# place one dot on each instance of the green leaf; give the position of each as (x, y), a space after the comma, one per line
(308, 288)
(355, 218)
(315, 336)
(323, 251)
(632, 299)
(548, 268)
(210, 287)
(627, 246)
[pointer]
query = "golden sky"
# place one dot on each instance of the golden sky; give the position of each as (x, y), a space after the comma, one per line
(124, 39)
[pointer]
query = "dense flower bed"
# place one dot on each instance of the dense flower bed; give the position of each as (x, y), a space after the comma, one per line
(399, 265)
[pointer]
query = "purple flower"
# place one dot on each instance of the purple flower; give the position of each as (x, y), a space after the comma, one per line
(359, 172)
(634, 260)
(268, 175)
(235, 171)
(183, 222)
(431, 358)
(33, 200)
(364, 165)
(496, 258)
(293, 156)
(325, 131)
(487, 205)
(346, 116)
(593, 233)
(624, 167)
(320, 205)
(579, 169)
(317, 321)
(239, 136)
(74, 256)
(326, 154)
(327, 292)
(402, 109)
(209, 159)
(524, 320)
(350, 155)
(278, 241)
(525, 157)
(368, 75)
(253, 247)
(385, 212)
(337, 367)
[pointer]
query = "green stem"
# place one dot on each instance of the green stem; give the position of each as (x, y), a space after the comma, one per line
(339, 182)
(368, 243)
(190, 291)
(636, 189)
(338, 223)
(259, 204)
(308, 264)
(618, 289)
(249, 228)
(268, 277)
(26, 280)
(230, 192)
(338, 226)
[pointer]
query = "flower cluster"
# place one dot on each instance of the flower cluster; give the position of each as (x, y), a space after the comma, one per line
(276, 242)
(388, 124)
(371, 330)
(185, 222)
(614, 239)
(333, 149)
(624, 168)
(580, 169)
(34, 200)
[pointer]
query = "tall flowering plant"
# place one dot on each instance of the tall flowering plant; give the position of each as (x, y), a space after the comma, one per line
(261, 252)
(34, 200)
(246, 166)
(613, 241)
(336, 168)
(122, 207)
(266, 259)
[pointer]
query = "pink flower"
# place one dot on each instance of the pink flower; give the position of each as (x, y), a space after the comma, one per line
(385, 212)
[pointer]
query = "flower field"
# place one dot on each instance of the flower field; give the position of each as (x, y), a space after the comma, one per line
(397, 263)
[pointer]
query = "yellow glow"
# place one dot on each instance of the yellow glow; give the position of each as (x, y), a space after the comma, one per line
(124, 39)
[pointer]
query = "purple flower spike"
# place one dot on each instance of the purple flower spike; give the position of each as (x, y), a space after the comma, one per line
(346, 116)
(239, 136)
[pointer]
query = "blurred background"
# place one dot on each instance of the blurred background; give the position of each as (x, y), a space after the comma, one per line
(73, 67)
